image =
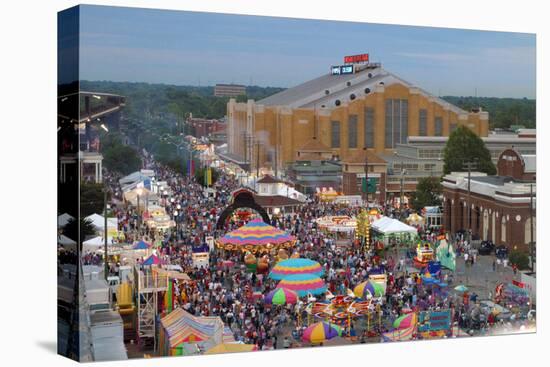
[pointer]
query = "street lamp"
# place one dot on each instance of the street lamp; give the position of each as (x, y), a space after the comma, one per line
(401, 180)
(105, 230)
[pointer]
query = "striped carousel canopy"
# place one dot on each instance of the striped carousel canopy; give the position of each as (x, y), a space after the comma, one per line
(303, 284)
(295, 266)
(254, 236)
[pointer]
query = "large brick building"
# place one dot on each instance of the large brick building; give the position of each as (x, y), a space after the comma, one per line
(370, 107)
(497, 208)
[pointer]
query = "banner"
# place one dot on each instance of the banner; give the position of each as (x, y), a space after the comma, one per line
(369, 186)
(434, 320)
(208, 176)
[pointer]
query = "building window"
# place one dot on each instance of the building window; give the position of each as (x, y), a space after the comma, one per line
(397, 122)
(503, 229)
(404, 121)
(423, 122)
(335, 134)
(352, 131)
(388, 125)
(369, 127)
(438, 126)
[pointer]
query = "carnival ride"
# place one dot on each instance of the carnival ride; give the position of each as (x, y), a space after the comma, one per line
(256, 237)
(424, 254)
(340, 310)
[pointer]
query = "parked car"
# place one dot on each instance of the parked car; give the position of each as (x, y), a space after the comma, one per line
(486, 247)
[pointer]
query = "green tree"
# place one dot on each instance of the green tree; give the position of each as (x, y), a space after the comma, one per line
(428, 192)
(520, 259)
(120, 158)
(91, 199)
(465, 146)
(77, 234)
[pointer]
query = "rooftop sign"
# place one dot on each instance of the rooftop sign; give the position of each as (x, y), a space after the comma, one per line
(341, 69)
(356, 58)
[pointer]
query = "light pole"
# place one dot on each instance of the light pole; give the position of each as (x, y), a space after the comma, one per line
(531, 224)
(105, 230)
(401, 198)
(469, 165)
(139, 192)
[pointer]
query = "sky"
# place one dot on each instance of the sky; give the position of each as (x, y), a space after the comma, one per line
(191, 48)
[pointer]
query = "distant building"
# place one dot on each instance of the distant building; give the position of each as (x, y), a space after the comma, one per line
(520, 167)
(497, 208)
(367, 107)
(524, 141)
(229, 90)
(354, 175)
(204, 128)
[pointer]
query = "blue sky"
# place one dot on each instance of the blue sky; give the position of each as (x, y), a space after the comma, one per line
(187, 48)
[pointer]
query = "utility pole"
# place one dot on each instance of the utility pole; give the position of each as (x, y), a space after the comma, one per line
(366, 175)
(469, 166)
(532, 242)
(401, 198)
(257, 159)
(105, 231)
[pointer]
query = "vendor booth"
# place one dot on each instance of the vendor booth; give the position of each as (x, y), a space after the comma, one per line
(180, 330)
(388, 228)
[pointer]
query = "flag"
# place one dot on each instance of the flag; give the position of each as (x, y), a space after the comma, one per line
(191, 167)
(208, 176)
(168, 298)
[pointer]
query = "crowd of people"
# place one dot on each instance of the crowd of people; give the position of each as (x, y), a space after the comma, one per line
(226, 289)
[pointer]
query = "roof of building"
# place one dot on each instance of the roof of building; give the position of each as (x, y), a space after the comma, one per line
(364, 155)
(268, 179)
(313, 93)
(309, 157)
(497, 187)
(494, 180)
(314, 145)
(275, 200)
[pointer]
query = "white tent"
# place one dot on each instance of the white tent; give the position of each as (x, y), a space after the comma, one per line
(64, 240)
(63, 219)
(98, 221)
(388, 225)
(97, 242)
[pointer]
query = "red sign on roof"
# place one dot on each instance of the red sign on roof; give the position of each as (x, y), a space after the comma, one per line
(356, 58)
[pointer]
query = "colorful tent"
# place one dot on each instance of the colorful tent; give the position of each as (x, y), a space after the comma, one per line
(398, 335)
(295, 266)
(152, 260)
(180, 327)
(303, 284)
(320, 332)
(281, 296)
(231, 348)
(405, 321)
(256, 236)
(364, 289)
(141, 245)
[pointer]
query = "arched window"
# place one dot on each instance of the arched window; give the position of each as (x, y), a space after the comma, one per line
(503, 229)
(485, 225)
(528, 230)
(493, 227)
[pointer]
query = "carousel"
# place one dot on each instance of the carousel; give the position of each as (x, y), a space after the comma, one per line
(256, 237)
